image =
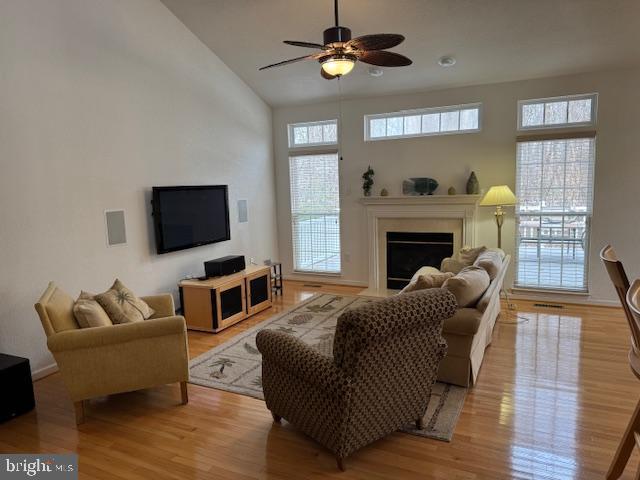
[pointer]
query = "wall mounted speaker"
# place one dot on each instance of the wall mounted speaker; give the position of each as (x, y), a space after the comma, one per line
(116, 229)
(243, 214)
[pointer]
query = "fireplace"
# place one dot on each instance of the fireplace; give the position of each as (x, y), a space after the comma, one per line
(408, 251)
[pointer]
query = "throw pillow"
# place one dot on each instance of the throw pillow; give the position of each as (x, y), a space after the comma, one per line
(491, 261)
(89, 313)
(122, 305)
(468, 255)
(468, 285)
(425, 271)
(427, 281)
(451, 265)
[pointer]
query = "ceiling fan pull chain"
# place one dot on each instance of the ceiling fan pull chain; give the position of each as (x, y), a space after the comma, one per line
(340, 117)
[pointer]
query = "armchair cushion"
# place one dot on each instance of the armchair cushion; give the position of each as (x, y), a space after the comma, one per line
(162, 305)
(122, 305)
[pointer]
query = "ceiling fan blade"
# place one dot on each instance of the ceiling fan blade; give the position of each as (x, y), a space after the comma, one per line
(380, 41)
(305, 44)
(326, 75)
(384, 59)
(292, 60)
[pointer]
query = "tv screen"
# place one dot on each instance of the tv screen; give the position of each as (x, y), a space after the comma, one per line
(187, 217)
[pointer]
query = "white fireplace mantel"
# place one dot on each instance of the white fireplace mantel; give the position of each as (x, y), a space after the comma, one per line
(463, 207)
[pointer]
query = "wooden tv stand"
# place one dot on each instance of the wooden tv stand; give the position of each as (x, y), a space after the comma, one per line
(217, 303)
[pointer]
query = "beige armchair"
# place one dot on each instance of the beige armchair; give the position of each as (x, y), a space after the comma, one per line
(99, 361)
(385, 360)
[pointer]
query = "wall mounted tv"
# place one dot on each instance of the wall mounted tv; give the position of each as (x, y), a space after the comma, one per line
(186, 217)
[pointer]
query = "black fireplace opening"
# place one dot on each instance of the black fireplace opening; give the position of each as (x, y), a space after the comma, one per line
(408, 251)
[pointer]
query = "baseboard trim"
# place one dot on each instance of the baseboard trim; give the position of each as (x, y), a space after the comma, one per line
(44, 372)
(326, 280)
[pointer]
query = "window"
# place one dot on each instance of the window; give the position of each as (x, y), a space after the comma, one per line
(423, 122)
(313, 133)
(554, 186)
(557, 112)
(315, 212)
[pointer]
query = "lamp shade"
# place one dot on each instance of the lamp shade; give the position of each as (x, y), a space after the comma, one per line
(499, 195)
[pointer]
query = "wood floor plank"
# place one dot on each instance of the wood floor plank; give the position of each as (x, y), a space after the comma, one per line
(552, 401)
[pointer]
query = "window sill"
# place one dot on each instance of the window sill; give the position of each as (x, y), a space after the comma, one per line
(322, 274)
(577, 293)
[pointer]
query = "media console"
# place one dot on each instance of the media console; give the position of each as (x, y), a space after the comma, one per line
(214, 304)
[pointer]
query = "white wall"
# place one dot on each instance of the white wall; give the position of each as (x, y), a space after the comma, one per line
(99, 101)
(490, 153)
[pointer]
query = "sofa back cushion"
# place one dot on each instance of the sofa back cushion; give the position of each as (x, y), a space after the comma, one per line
(495, 287)
(387, 322)
(491, 261)
(468, 285)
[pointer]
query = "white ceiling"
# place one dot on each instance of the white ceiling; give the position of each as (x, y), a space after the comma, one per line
(492, 40)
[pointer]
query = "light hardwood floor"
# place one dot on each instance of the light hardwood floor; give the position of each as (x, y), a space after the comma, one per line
(552, 401)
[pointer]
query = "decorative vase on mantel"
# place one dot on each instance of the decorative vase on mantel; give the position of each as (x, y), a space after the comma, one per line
(473, 186)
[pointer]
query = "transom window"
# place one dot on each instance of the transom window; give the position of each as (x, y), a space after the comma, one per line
(313, 133)
(557, 112)
(554, 186)
(423, 122)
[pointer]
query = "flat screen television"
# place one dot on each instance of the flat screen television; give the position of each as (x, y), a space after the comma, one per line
(186, 217)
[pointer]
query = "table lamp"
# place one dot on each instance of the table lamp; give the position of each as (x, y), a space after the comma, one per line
(499, 196)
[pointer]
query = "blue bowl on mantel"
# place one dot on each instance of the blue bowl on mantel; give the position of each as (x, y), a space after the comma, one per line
(421, 186)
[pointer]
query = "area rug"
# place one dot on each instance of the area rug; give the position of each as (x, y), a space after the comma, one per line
(236, 365)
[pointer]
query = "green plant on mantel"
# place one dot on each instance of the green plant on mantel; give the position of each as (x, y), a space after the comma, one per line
(368, 181)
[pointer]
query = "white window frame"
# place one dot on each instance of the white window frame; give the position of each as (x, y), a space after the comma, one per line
(541, 213)
(297, 269)
(563, 98)
(423, 111)
(323, 148)
(291, 126)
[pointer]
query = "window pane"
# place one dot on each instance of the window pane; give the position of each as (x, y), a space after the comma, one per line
(315, 213)
(555, 112)
(554, 186)
(431, 123)
(580, 110)
(300, 135)
(469, 119)
(394, 126)
(450, 121)
(412, 125)
(330, 133)
(315, 134)
(378, 127)
(532, 114)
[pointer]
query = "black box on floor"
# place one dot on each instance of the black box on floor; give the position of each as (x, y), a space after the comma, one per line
(224, 266)
(15, 378)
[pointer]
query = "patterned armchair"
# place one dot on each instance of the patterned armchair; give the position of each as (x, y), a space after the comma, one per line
(385, 360)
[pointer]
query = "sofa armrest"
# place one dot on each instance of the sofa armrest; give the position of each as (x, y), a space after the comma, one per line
(299, 359)
(162, 305)
(115, 334)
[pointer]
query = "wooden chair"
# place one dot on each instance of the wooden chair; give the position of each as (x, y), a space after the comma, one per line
(630, 300)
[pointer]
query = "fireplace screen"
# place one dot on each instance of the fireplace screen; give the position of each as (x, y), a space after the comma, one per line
(408, 251)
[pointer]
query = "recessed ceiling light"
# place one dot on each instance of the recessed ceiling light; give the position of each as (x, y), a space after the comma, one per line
(446, 61)
(375, 71)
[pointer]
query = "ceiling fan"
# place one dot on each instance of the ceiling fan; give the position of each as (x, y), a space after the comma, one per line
(340, 52)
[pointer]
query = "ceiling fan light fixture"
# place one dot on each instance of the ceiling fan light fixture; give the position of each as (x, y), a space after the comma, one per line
(339, 65)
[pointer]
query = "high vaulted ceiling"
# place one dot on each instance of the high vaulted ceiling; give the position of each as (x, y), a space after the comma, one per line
(492, 41)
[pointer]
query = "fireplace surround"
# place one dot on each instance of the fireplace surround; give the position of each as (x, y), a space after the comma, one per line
(455, 214)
